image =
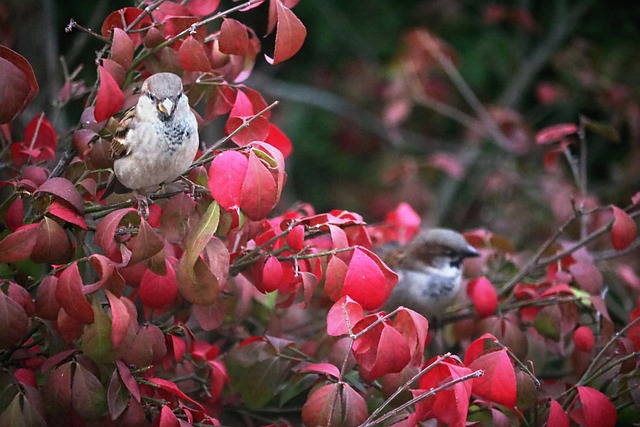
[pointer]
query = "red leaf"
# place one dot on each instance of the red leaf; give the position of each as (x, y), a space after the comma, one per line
(52, 245)
(40, 134)
(624, 229)
(173, 389)
(334, 404)
(15, 214)
(415, 328)
(120, 319)
(587, 276)
(259, 191)
(278, 139)
(246, 105)
(337, 318)
(192, 56)
(597, 410)
(234, 38)
(498, 384)
(122, 48)
(110, 98)
(18, 84)
(18, 245)
(202, 7)
(404, 221)
(110, 277)
(69, 295)
(364, 281)
(226, 177)
(167, 418)
(583, 338)
(209, 317)
(63, 188)
(381, 350)
(483, 295)
(105, 233)
(146, 244)
(450, 405)
(323, 368)
(557, 416)
(128, 380)
(271, 275)
(64, 211)
(47, 306)
(290, 34)
(124, 17)
(555, 133)
(159, 291)
(295, 238)
(14, 320)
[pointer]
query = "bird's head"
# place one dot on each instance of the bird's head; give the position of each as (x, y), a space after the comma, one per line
(437, 247)
(164, 91)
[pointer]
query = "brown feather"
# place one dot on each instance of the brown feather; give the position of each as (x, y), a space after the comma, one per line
(117, 149)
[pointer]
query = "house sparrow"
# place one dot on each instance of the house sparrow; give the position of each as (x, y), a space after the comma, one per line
(156, 140)
(429, 271)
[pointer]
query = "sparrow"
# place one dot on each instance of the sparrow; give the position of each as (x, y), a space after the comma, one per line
(156, 140)
(429, 271)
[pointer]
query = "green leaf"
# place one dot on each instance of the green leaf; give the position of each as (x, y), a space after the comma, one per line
(96, 339)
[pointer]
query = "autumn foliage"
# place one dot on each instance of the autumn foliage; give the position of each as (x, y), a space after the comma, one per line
(226, 307)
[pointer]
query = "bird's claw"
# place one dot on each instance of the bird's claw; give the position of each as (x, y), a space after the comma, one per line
(143, 205)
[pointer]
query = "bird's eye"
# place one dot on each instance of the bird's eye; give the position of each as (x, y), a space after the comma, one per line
(151, 96)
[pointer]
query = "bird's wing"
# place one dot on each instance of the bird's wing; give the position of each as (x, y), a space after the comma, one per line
(119, 147)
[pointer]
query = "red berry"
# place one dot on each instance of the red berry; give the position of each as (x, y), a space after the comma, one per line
(583, 338)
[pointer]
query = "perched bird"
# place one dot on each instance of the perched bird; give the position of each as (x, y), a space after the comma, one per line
(156, 140)
(429, 271)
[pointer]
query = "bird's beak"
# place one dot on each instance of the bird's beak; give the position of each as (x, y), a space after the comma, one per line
(470, 252)
(166, 106)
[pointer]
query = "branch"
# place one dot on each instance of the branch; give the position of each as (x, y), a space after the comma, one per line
(563, 25)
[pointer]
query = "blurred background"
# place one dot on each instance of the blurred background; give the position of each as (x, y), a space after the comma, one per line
(436, 103)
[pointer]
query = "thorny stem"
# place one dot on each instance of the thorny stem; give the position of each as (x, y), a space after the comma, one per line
(250, 256)
(475, 374)
(406, 386)
(522, 366)
(458, 81)
(73, 24)
(316, 255)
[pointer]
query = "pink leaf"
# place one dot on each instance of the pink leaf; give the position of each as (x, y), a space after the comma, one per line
(226, 178)
(597, 410)
(259, 191)
(202, 7)
(483, 295)
(365, 280)
(339, 318)
(555, 133)
(498, 384)
(323, 368)
(110, 98)
(624, 229)
(557, 416)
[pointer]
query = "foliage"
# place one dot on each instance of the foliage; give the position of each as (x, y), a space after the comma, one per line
(223, 307)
